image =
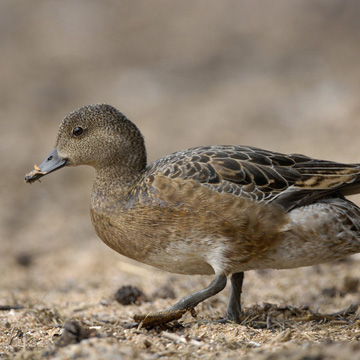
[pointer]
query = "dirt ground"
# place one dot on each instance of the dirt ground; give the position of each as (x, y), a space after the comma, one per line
(67, 309)
(279, 75)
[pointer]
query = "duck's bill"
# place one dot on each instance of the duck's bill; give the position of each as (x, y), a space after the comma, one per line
(52, 163)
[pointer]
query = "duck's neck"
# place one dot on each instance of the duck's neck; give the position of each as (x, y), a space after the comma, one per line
(121, 171)
(112, 185)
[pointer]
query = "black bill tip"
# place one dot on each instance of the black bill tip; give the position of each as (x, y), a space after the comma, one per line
(52, 162)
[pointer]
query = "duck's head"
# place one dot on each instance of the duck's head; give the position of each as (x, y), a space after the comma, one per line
(96, 135)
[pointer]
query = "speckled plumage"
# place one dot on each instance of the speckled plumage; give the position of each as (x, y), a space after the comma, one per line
(209, 210)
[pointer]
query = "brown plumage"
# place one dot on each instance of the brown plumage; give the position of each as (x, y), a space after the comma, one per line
(208, 210)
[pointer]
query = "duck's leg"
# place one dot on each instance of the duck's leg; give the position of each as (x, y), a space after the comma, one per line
(233, 310)
(187, 303)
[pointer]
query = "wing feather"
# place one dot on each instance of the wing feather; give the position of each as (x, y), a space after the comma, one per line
(288, 180)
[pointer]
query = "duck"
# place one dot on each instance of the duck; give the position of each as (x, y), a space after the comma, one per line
(215, 210)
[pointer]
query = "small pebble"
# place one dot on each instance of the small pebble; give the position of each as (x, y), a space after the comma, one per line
(128, 295)
(351, 284)
(24, 259)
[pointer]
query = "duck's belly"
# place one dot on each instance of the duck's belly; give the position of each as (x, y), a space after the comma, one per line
(158, 246)
(180, 258)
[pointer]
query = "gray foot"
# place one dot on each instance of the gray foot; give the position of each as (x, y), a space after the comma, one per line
(187, 303)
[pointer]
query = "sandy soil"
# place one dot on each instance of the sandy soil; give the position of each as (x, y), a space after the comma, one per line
(279, 75)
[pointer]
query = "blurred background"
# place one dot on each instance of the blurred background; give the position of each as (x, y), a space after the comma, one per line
(282, 75)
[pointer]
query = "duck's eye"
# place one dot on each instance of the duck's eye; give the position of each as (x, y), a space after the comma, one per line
(77, 131)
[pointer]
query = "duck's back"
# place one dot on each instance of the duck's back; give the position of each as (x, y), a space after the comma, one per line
(287, 180)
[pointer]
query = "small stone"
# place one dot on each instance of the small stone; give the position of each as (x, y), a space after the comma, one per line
(24, 259)
(330, 292)
(351, 284)
(74, 333)
(128, 295)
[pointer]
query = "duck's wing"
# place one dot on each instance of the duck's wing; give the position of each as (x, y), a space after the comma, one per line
(288, 180)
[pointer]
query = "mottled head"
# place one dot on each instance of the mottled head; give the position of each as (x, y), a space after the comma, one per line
(96, 135)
